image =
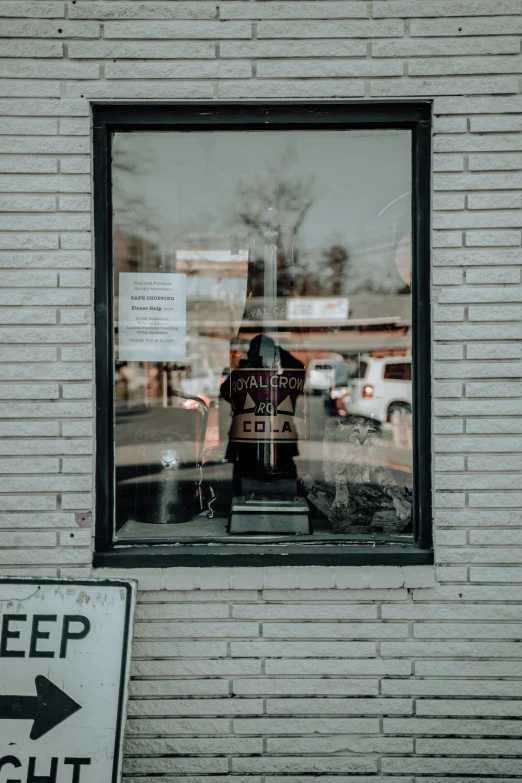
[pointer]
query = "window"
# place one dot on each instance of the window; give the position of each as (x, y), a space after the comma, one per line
(261, 289)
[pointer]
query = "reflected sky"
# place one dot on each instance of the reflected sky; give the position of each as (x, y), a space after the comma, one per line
(180, 189)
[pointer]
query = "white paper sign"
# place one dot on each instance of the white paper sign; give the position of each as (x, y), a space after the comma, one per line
(152, 317)
(64, 660)
(317, 309)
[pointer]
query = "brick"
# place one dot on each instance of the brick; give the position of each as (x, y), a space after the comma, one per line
(494, 351)
(491, 295)
(305, 687)
(496, 574)
(483, 143)
(75, 165)
(469, 746)
(14, 184)
(139, 50)
(448, 313)
(194, 668)
(447, 276)
(303, 611)
(435, 47)
(448, 352)
(26, 242)
(48, 29)
(21, 48)
(418, 8)
(420, 87)
(448, 162)
(469, 257)
(282, 10)
(76, 428)
(505, 162)
(77, 391)
(29, 315)
(496, 313)
(29, 127)
(466, 631)
(443, 201)
(27, 503)
(476, 649)
(305, 764)
(450, 499)
(28, 204)
(467, 26)
(299, 649)
(340, 744)
(56, 69)
(496, 500)
(495, 124)
(180, 70)
(493, 219)
(177, 611)
(448, 426)
(447, 239)
(184, 30)
(104, 10)
(304, 48)
(504, 276)
(9, 429)
(189, 707)
(494, 201)
(31, 521)
(136, 90)
(178, 688)
(185, 745)
(210, 629)
(317, 666)
(464, 66)
(475, 707)
(491, 181)
(290, 69)
(448, 463)
(438, 687)
(353, 29)
(497, 426)
(320, 707)
(29, 89)
(11, 164)
(138, 727)
(503, 389)
(321, 88)
(176, 765)
(333, 630)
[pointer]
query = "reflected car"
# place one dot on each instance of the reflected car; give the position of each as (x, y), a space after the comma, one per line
(338, 396)
(320, 375)
(383, 388)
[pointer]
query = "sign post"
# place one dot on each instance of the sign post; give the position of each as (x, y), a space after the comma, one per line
(64, 660)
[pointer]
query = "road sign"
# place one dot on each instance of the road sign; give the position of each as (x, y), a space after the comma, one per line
(64, 659)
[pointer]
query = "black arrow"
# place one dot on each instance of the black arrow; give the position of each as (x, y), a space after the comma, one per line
(47, 709)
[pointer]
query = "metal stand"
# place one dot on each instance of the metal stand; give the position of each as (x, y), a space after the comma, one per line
(258, 515)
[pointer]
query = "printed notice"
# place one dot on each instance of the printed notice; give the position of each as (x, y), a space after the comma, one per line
(152, 317)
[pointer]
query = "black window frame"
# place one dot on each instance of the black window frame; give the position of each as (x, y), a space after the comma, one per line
(409, 115)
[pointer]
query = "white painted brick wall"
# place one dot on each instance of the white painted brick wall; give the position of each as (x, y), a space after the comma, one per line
(290, 674)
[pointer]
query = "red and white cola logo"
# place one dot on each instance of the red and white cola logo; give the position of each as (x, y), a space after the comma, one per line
(264, 404)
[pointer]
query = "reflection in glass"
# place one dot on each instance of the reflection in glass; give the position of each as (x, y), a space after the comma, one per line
(262, 259)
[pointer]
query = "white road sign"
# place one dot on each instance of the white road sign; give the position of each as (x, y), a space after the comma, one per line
(64, 655)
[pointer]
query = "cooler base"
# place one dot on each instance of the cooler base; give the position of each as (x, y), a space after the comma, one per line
(262, 515)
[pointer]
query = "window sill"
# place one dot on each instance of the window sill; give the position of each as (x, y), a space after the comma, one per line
(249, 556)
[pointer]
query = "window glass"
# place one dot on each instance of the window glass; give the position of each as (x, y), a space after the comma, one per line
(262, 305)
